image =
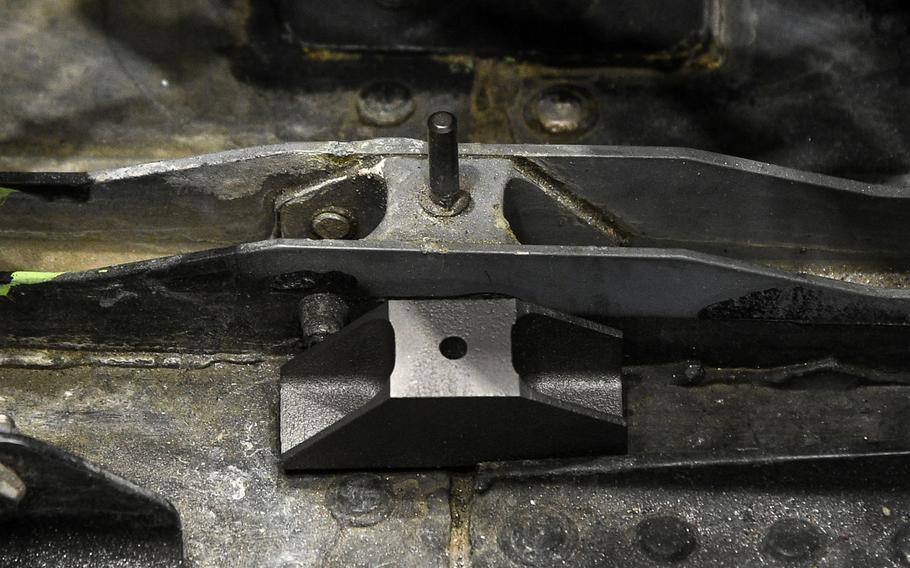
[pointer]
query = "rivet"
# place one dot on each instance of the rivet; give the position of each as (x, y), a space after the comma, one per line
(694, 372)
(561, 110)
(539, 538)
(360, 500)
(386, 103)
(793, 539)
(901, 544)
(666, 538)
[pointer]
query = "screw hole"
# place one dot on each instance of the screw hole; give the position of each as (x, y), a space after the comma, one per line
(453, 347)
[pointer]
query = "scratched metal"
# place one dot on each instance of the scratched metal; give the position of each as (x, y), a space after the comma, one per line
(206, 440)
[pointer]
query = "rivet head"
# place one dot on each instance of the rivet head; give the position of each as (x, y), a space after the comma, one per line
(539, 538)
(332, 224)
(901, 544)
(793, 539)
(360, 500)
(694, 371)
(386, 103)
(666, 538)
(561, 110)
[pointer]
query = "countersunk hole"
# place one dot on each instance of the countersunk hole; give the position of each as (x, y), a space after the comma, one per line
(453, 347)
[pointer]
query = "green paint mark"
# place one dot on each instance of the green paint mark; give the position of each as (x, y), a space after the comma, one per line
(19, 278)
(4, 193)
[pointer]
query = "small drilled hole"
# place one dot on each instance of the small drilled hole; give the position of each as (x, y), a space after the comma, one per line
(453, 347)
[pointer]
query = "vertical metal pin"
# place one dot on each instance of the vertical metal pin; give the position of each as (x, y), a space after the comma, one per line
(442, 150)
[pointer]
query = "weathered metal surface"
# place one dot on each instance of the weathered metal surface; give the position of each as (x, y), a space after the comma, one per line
(90, 84)
(58, 510)
(245, 298)
(831, 511)
(151, 106)
(205, 440)
(217, 462)
(817, 86)
(556, 195)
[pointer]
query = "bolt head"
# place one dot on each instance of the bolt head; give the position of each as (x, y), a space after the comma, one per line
(332, 224)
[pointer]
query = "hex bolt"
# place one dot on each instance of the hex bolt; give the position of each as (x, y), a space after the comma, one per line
(12, 488)
(333, 223)
(321, 315)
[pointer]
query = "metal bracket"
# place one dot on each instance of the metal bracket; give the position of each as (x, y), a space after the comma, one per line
(432, 383)
(58, 510)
